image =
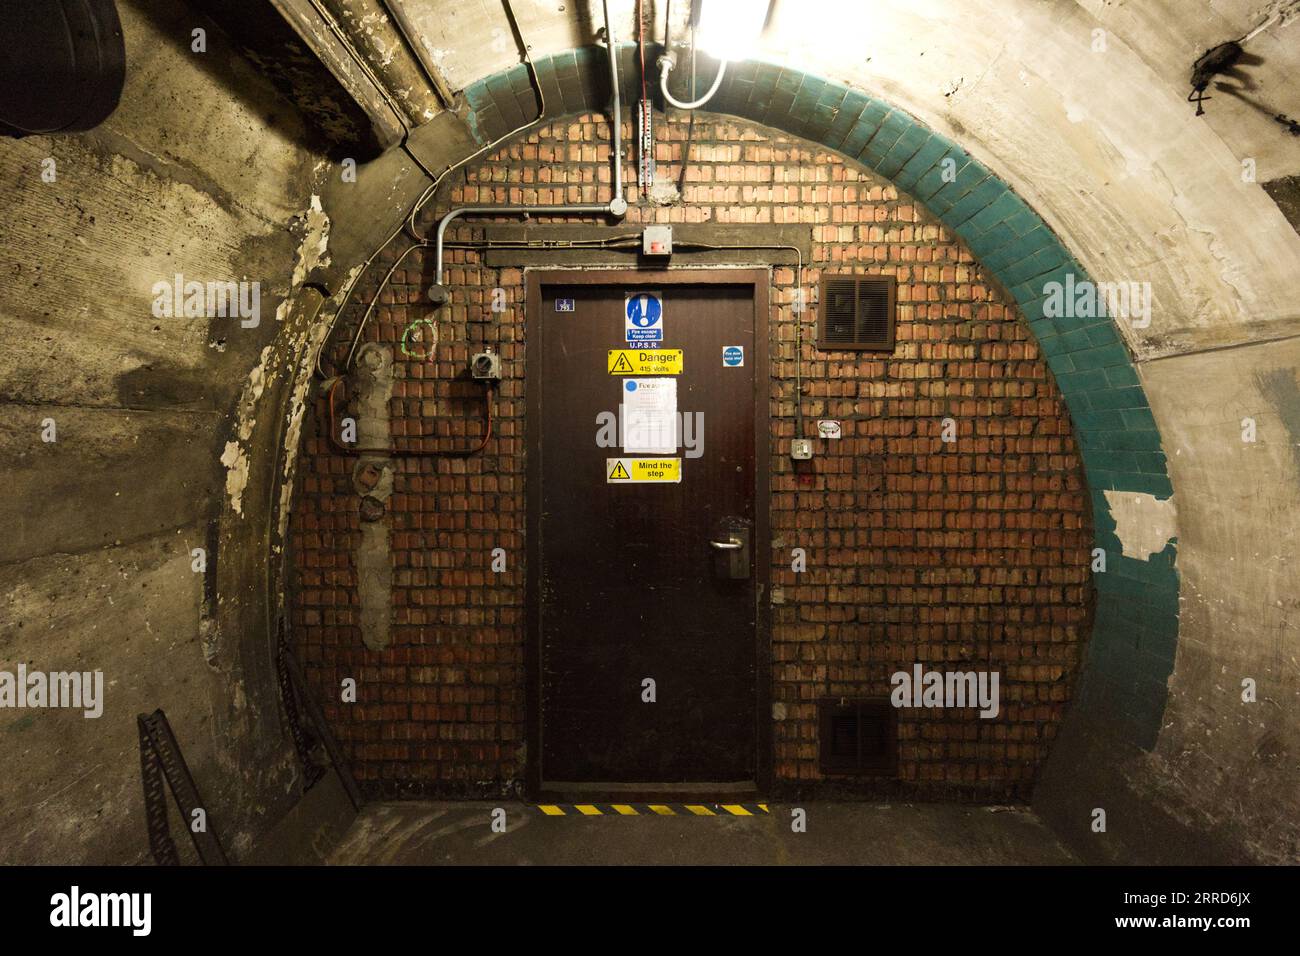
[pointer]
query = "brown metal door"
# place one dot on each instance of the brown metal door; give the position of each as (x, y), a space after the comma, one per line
(641, 581)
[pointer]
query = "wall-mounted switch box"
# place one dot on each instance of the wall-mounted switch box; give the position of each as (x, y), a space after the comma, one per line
(657, 241)
(801, 449)
(486, 366)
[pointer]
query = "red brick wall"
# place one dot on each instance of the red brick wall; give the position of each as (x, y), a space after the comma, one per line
(964, 556)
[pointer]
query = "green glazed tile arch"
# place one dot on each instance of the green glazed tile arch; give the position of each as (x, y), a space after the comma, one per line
(1131, 650)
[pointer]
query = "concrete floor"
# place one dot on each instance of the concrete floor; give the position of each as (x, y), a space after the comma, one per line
(837, 833)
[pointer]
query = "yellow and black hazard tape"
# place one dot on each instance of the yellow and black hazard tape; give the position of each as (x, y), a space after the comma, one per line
(653, 809)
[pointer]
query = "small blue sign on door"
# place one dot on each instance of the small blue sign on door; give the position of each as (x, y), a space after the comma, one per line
(563, 305)
(733, 356)
(643, 313)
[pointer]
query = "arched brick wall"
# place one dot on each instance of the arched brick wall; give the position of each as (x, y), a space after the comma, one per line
(965, 556)
(1135, 636)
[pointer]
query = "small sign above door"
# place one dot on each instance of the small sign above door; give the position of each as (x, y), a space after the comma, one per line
(643, 314)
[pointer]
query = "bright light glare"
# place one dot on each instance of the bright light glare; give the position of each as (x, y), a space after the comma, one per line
(729, 29)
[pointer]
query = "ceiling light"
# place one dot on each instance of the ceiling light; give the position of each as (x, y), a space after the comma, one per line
(729, 29)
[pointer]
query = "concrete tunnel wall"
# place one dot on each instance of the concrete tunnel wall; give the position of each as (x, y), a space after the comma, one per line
(203, 171)
(172, 433)
(180, 434)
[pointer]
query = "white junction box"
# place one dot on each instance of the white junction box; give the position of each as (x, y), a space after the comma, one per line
(828, 429)
(657, 241)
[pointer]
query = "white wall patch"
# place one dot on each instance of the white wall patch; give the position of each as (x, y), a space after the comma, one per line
(1144, 523)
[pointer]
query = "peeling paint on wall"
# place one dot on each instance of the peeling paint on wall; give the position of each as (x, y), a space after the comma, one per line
(236, 462)
(312, 341)
(234, 457)
(1144, 523)
(253, 389)
(313, 251)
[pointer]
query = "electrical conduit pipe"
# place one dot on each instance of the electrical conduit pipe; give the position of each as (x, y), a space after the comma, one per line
(617, 206)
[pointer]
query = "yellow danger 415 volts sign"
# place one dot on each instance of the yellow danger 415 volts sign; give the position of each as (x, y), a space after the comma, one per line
(645, 361)
(621, 471)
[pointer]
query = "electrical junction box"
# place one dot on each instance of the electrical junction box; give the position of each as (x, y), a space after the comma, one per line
(486, 366)
(657, 241)
(801, 449)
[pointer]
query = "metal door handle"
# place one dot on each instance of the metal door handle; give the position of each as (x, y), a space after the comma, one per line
(731, 548)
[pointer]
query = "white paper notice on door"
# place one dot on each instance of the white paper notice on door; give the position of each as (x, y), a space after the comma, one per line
(649, 415)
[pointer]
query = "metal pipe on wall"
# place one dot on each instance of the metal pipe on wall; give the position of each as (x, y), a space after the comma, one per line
(616, 121)
(617, 205)
(453, 215)
(408, 30)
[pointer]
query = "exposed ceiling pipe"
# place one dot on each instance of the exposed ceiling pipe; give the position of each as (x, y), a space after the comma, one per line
(728, 31)
(439, 294)
(345, 40)
(410, 33)
(666, 63)
(423, 242)
(617, 205)
(324, 38)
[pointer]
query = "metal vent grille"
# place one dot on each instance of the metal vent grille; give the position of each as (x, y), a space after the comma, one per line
(857, 312)
(857, 736)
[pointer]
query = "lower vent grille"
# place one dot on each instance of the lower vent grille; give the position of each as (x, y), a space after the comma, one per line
(857, 736)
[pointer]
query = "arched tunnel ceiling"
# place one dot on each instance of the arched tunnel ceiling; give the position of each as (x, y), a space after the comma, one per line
(1093, 129)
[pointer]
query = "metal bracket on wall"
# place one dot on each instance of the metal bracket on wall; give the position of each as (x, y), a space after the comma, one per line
(161, 759)
(701, 244)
